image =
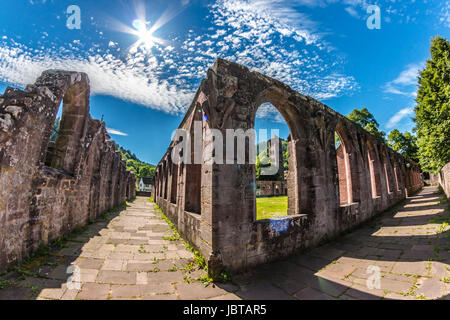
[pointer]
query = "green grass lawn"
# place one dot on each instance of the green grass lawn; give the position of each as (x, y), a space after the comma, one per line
(269, 207)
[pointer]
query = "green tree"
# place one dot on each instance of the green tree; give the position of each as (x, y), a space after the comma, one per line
(257, 168)
(133, 165)
(284, 149)
(263, 160)
(366, 120)
(433, 108)
(55, 129)
(141, 169)
(146, 171)
(404, 143)
(362, 117)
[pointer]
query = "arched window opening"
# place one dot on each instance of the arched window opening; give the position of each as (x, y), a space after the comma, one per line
(192, 199)
(94, 162)
(174, 187)
(374, 170)
(272, 188)
(344, 172)
(55, 129)
(388, 172)
(66, 134)
(160, 181)
(51, 148)
(166, 179)
(396, 178)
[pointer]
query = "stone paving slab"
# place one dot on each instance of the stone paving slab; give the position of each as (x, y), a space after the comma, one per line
(128, 257)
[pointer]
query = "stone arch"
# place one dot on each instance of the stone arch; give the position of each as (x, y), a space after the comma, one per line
(396, 171)
(374, 169)
(193, 170)
(388, 171)
(94, 165)
(166, 178)
(156, 187)
(169, 176)
(227, 232)
(347, 164)
(160, 180)
(174, 184)
(299, 184)
(290, 115)
(402, 170)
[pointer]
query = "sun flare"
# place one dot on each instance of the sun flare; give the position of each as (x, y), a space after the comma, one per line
(145, 36)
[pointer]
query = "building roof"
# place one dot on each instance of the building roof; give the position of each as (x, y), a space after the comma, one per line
(147, 180)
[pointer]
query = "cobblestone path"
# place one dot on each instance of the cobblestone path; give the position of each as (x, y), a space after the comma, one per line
(130, 255)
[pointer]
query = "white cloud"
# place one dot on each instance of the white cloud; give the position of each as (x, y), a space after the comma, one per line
(37, 1)
(390, 89)
(272, 37)
(267, 110)
(406, 81)
(133, 79)
(407, 76)
(311, 3)
(396, 118)
(445, 14)
(279, 14)
(116, 132)
(351, 11)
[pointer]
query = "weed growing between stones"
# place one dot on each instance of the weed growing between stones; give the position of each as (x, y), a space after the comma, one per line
(442, 220)
(5, 283)
(46, 255)
(199, 261)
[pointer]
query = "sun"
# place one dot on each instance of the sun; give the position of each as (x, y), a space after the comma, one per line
(145, 36)
(143, 30)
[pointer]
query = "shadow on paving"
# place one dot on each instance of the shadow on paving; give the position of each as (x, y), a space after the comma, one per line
(409, 245)
(133, 254)
(49, 271)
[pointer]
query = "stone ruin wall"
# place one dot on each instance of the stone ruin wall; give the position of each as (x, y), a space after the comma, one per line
(47, 189)
(443, 179)
(271, 188)
(214, 205)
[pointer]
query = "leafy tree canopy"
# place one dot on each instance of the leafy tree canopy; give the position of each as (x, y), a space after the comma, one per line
(140, 168)
(264, 158)
(433, 108)
(367, 121)
(404, 143)
(55, 129)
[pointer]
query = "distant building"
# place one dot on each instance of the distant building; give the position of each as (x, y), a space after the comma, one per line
(274, 185)
(145, 184)
(271, 188)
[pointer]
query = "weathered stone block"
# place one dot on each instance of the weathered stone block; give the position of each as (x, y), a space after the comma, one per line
(42, 202)
(330, 189)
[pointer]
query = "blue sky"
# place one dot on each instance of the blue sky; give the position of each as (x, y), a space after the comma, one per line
(322, 48)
